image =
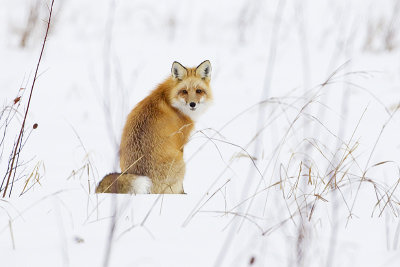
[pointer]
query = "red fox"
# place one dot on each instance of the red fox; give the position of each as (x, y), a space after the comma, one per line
(151, 150)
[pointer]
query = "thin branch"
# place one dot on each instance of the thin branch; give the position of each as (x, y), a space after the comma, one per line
(29, 101)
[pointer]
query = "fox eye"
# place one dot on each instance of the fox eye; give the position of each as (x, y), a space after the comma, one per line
(198, 91)
(184, 92)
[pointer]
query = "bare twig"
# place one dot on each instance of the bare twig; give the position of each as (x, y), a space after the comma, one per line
(16, 148)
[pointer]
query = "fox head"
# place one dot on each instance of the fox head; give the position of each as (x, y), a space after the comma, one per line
(191, 93)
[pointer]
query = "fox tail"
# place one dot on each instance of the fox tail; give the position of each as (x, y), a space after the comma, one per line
(124, 184)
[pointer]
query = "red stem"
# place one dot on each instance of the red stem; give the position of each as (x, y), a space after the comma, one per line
(29, 101)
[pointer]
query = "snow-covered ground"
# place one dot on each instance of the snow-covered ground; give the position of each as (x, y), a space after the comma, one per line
(304, 92)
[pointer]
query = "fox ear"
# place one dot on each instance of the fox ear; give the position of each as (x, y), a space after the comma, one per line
(204, 69)
(178, 71)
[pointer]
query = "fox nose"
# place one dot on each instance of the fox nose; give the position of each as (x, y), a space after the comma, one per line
(192, 104)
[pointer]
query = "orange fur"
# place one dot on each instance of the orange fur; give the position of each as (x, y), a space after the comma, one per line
(156, 131)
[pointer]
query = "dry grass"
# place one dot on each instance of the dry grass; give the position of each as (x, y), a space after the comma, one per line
(34, 177)
(303, 183)
(19, 143)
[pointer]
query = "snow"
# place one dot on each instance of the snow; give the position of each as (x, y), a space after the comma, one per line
(113, 53)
